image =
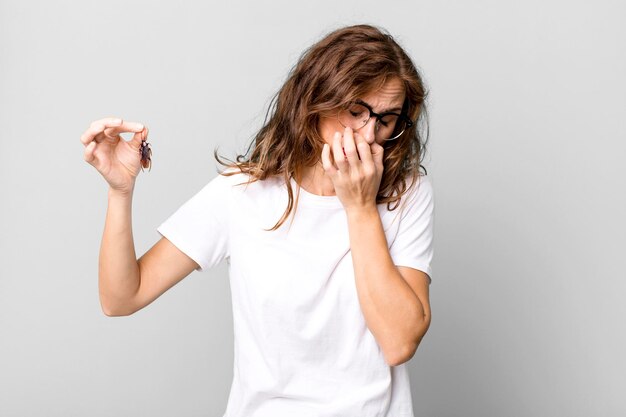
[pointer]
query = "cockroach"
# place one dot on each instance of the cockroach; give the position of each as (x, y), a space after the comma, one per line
(146, 155)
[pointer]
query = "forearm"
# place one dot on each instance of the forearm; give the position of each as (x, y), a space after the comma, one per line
(118, 277)
(393, 312)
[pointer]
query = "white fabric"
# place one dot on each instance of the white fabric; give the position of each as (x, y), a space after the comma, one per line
(302, 347)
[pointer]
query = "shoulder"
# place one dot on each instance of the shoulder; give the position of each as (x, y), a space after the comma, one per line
(231, 176)
(419, 191)
(244, 185)
(229, 179)
(234, 175)
(220, 186)
(423, 184)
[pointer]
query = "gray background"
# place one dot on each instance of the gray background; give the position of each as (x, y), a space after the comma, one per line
(526, 156)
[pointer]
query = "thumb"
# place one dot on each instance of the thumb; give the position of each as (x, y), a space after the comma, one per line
(139, 136)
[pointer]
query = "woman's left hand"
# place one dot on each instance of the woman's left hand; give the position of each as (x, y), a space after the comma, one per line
(356, 174)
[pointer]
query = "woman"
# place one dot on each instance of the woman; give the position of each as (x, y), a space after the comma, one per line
(326, 226)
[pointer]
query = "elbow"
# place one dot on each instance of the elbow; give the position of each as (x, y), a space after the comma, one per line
(110, 311)
(401, 355)
(405, 352)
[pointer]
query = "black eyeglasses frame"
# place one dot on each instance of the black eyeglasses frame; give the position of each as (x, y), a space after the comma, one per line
(401, 116)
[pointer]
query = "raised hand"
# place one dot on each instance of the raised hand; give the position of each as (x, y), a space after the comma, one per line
(355, 167)
(117, 160)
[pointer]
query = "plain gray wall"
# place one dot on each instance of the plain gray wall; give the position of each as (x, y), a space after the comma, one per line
(527, 156)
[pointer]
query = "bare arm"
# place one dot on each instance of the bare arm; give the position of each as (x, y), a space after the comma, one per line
(118, 269)
(394, 300)
(126, 284)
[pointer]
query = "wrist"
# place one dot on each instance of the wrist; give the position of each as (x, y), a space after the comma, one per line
(362, 212)
(115, 193)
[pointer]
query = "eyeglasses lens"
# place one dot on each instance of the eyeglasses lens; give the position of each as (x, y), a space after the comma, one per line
(389, 127)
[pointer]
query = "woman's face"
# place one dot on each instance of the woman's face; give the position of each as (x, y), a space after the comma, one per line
(389, 98)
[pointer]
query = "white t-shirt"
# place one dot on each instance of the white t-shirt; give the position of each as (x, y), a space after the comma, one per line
(302, 347)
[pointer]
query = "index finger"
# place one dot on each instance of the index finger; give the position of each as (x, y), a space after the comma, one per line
(98, 126)
(132, 127)
(112, 121)
(350, 147)
(364, 148)
(113, 126)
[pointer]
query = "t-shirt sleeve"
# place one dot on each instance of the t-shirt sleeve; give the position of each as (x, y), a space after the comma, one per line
(413, 245)
(199, 228)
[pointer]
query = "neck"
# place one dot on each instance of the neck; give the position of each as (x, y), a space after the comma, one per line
(315, 181)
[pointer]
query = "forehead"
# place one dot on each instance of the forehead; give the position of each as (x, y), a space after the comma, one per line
(389, 96)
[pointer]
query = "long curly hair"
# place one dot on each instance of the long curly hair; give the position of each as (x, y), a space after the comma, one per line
(345, 65)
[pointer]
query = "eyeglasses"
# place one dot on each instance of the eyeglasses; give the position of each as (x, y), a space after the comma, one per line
(389, 126)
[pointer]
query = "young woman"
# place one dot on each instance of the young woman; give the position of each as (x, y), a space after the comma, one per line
(327, 226)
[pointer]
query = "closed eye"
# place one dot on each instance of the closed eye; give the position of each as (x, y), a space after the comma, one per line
(388, 118)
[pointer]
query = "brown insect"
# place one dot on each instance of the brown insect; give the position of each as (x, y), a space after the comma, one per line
(146, 155)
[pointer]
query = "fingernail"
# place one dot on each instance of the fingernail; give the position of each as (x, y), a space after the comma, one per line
(116, 121)
(139, 126)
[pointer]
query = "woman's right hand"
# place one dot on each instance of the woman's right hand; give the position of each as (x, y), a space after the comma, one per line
(117, 160)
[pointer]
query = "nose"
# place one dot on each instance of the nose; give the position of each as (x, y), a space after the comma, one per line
(368, 132)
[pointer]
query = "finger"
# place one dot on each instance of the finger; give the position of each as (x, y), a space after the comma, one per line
(340, 158)
(97, 127)
(114, 131)
(365, 152)
(350, 147)
(108, 121)
(89, 134)
(326, 160)
(89, 152)
(140, 136)
(378, 153)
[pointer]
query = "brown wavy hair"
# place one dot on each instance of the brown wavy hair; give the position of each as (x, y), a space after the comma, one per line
(345, 65)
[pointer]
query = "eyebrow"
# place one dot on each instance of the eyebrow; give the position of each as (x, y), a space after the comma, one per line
(394, 109)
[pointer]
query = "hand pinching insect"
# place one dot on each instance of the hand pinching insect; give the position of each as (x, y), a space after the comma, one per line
(146, 155)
